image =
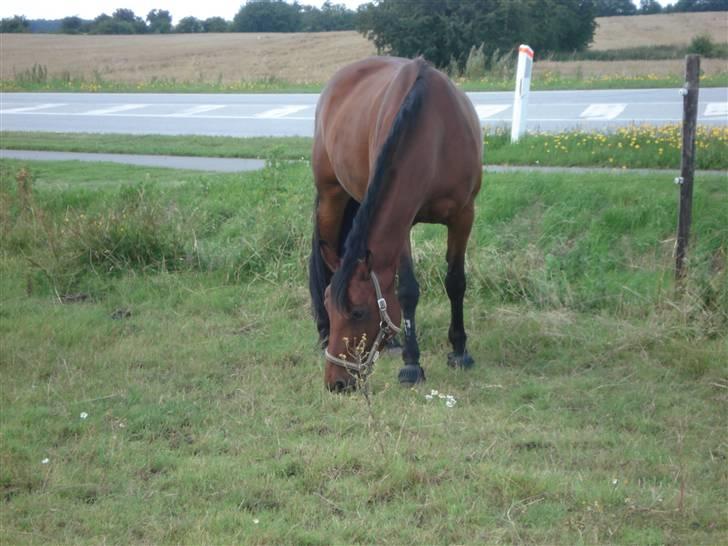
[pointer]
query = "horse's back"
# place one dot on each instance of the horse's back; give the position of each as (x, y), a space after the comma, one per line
(356, 111)
(346, 119)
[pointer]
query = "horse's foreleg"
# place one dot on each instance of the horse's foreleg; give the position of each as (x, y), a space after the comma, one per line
(408, 293)
(319, 276)
(457, 241)
(330, 205)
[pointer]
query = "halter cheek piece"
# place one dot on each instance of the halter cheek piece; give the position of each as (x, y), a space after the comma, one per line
(387, 330)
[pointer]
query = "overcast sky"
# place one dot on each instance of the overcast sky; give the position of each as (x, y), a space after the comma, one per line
(88, 9)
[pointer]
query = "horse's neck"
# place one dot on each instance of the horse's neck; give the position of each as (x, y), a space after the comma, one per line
(390, 233)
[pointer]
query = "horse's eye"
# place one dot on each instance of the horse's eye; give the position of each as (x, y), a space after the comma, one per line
(358, 314)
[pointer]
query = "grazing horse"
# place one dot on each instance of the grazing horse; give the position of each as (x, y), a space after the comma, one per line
(395, 143)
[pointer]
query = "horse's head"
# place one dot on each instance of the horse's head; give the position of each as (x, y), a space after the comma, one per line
(361, 322)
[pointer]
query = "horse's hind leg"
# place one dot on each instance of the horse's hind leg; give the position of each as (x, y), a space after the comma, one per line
(408, 293)
(457, 241)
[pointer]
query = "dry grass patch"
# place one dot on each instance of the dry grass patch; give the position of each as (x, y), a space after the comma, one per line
(311, 57)
(660, 29)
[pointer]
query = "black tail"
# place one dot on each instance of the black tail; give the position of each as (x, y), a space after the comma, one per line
(319, 275)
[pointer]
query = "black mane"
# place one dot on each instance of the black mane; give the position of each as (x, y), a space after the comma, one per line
(355, 247)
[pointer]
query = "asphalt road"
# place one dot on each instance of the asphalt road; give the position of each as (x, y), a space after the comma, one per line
(293, 114)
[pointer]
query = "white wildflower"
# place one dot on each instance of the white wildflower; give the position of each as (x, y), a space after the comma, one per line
(448, 398)
(83, 415)
(45, 461)
(256, 521)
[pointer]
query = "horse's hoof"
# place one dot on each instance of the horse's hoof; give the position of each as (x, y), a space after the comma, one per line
(463, 361)
(411, 374)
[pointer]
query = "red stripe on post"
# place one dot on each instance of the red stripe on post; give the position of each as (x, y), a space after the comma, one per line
(527, 50)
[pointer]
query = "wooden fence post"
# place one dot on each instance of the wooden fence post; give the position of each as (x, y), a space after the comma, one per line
(687, 162)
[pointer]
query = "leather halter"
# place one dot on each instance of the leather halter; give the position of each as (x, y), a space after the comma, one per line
(387, 330)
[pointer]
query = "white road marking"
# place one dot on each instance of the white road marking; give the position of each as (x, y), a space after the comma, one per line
(283, 111)
(485, 111)
(716, 109)
(30, 108)
(114, 109)
(603, 111)
(197, 110)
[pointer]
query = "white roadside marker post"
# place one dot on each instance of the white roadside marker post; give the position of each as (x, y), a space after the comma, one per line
(523, 87)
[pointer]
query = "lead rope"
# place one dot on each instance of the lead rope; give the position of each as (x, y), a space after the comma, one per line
(386, 328)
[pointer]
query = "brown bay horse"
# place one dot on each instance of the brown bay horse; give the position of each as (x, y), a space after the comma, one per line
(395, 143)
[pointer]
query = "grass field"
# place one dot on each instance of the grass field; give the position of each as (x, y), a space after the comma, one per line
(241, 62)
(161, 382)
(632, 147)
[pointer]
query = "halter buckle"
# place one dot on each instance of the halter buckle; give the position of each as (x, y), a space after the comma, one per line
(382, 303)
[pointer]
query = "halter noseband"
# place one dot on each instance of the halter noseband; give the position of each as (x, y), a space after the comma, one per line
(387, 329)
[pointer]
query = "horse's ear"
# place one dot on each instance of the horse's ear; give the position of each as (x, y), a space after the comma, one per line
(331, 259)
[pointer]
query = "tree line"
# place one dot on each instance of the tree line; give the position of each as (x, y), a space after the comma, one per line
(609, 8)
(254, 16)
(284, 16)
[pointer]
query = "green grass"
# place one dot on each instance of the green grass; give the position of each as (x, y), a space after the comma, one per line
(645, 146)
(496, 82)
(595, 415)
(632, 147)
(553, 81)
(202, 146)
(652, 53)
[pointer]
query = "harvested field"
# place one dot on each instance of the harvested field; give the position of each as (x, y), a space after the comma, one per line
(309, 57)
(313, 57)
(661, 29)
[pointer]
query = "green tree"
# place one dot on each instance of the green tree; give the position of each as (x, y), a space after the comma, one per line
(648, 7)
(189, 25)
(123, 15)
(609, 8)
(160, 21)
(268, 16)
(444, 31)
(329, 17)
(215, 24)
(17, 23)
(123, 21)
(103, 24)
(72, 25)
